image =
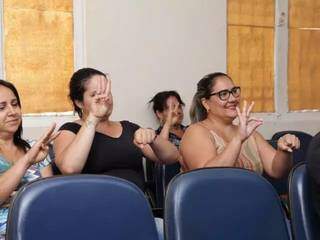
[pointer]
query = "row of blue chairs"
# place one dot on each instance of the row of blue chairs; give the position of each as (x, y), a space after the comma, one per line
(212, 203)
(159, 176)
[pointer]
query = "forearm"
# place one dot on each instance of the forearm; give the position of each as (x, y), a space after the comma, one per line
(281, 164)
(164, 150)
(10, 180)
(73, 158)
(165, 131)
(228, 156)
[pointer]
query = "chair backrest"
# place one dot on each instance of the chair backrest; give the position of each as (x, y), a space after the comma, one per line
(304, 221)
(305, 138)
(80, 207)
(163, 175)
(223, 203)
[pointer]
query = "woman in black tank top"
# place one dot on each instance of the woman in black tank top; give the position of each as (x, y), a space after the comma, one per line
(94, 144)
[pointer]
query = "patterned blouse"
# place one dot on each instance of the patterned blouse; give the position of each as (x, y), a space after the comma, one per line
(32, 173)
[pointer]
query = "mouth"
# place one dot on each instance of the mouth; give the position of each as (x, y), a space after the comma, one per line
(13, 120)
(231, 107)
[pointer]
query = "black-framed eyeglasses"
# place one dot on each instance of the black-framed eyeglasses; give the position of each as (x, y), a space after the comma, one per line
(225, 94)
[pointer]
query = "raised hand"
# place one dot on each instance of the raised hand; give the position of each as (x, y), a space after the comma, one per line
(288, 143)
(144, 136)
(102, 100)
(173, 115)
(39, 150)
(247, 124)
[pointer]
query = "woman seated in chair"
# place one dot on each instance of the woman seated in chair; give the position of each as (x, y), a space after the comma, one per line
(96, 144)
(214, 140)
(19, 162)
(168, 108)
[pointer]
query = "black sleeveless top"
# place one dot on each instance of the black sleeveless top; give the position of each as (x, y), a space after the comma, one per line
(117, 157)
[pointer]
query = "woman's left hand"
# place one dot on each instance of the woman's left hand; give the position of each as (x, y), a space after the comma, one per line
(143, 137)
(39, 150)
(288, 143)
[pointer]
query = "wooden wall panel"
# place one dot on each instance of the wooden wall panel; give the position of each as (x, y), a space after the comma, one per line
(251, 12)
(250, 50)
(250, 64)
(304, 69)
(38, 52)
(304, 13)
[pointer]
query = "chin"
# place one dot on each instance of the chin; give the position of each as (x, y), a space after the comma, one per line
(231, 113)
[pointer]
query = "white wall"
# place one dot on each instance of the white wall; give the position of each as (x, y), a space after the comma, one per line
(150, 46)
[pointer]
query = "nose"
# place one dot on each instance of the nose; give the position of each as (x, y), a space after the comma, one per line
(12, 110)
(232, 98)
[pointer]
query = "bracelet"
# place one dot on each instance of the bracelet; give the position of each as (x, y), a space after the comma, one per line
(89, 123)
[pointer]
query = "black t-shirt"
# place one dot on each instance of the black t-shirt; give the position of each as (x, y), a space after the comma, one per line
(117, 157)
(313, 167)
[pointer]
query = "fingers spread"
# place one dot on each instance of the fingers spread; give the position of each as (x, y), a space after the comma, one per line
(244, 108)
(250, 108)
(108, 84)
(46, 136)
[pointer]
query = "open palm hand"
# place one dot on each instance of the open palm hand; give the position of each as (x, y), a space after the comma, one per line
(247, 124)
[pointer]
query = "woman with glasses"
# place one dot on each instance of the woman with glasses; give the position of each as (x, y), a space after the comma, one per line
(214, 140)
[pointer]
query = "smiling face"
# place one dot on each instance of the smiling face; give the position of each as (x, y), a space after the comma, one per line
(220, 104)
(10, 111)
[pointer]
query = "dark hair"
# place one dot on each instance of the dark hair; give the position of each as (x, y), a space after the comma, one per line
(160, 100)
(204, 88)
(17, 137)
(77, 85)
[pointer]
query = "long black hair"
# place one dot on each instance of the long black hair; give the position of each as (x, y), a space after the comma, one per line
(17, 137)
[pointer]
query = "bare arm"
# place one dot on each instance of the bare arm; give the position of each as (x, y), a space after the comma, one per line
(165, 130)
(171, 119)
(72, 150)
(156, 148)
(12, 177)
(276, 163)
(198, 149)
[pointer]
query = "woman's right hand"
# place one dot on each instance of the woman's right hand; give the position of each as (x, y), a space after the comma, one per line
(101, 102)
(173, 115)
(39, 150)
(247, 124)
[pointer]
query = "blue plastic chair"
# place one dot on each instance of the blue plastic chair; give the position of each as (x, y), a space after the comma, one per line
(304, 221)
(163, 175)
(223, 203)
(80, 207)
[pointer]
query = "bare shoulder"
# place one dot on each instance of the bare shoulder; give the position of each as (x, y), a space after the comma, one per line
(196, 133)
(196, 128)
